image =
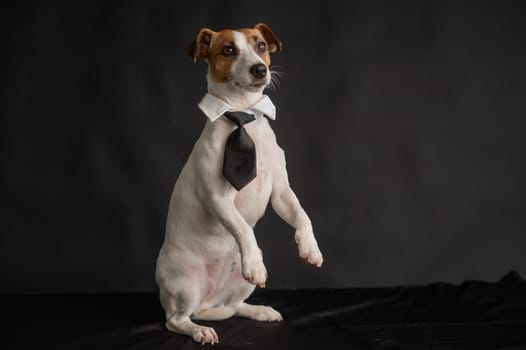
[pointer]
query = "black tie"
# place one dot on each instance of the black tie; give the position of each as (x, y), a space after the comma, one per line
(239, 165)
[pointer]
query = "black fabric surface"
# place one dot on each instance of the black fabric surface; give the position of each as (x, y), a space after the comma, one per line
(472, 315)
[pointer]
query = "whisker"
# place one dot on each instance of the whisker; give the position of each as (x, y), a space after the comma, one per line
(277, 71)
(275, 76)
(274, 82)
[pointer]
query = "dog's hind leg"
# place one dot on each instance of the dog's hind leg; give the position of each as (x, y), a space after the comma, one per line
(258, 313)
(179, 306)
(215, 314)
(182, 324)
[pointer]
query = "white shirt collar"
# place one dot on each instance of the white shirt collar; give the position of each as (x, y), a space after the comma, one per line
(214, 107)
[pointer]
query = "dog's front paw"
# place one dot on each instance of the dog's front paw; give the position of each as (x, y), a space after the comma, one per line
(308, 248)
(254, 270)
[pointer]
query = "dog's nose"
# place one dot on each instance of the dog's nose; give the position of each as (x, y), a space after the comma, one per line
(258, 70)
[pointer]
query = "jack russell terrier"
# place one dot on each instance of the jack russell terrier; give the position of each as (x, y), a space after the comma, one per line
(210, 261)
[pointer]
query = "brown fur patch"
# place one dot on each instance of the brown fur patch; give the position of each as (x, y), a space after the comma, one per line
(201, 45)
(274, 44)
(253, 38)
(220, 65)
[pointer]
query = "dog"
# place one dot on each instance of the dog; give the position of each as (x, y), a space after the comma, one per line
(210, 261)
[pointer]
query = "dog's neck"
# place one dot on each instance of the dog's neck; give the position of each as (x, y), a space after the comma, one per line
(235, 97)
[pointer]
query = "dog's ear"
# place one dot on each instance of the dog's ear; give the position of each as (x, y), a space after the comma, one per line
(201, 45)
(274, 45)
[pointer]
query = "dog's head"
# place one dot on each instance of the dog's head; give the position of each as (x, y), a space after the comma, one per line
(237, 58)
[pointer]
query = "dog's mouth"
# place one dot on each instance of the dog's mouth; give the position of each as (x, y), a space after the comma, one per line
(258, 84)
(254, 86)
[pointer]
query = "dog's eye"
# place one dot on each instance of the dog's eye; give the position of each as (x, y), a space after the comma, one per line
(229, 50)
(261, 46)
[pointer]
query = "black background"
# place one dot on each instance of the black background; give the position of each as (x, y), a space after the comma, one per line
(402, 121)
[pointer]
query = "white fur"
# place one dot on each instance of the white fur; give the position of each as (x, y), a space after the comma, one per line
(247, 57)
(210, 262)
